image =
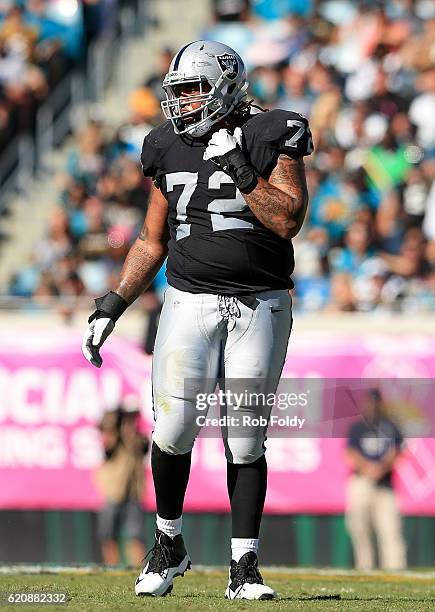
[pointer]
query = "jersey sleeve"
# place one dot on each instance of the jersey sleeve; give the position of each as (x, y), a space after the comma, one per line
(290, 134)
(269, 134)
(149, 160)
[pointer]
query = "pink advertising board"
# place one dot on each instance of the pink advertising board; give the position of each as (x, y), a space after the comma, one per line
(51, 400)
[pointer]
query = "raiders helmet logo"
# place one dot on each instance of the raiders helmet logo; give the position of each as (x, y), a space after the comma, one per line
(227, 61)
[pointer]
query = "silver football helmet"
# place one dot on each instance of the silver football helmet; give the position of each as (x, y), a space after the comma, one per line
(217, 72)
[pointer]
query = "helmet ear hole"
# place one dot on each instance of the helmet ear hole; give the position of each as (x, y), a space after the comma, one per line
(231, 88)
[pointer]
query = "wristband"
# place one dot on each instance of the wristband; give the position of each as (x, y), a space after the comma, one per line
(237, 166)
(111, 305)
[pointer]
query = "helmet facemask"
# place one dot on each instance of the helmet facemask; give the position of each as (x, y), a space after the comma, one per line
(211, 97)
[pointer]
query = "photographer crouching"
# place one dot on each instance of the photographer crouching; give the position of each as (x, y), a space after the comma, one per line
(121, 479)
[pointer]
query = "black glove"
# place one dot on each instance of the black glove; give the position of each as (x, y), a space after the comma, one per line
(224, 150)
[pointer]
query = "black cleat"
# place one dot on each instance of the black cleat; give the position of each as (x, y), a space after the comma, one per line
(245, 580)
(168, 560)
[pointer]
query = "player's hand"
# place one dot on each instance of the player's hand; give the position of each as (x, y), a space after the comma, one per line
(95, 335)
(225, 150)
(222, 142)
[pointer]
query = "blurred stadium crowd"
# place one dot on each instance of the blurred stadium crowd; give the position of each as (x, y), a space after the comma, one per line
(364, 74)
(40, 41)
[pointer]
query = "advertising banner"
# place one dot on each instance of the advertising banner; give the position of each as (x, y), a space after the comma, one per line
(51, 400)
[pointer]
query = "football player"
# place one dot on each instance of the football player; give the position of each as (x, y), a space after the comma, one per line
(229, 195)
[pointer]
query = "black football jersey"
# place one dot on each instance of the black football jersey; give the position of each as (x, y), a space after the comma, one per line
(217, 245)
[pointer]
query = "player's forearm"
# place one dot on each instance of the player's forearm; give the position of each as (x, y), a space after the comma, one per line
(141, 265)
(280, 203)
(280, 212)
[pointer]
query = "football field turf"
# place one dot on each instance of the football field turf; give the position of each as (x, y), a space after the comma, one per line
(305, 590)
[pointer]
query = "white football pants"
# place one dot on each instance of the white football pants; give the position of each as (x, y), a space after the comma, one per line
(203, 336)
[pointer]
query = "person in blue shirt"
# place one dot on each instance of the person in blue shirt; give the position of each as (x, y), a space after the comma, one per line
(373, 447)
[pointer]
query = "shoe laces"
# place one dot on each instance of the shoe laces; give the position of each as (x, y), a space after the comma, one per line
(246, 573)
(229, 310)
(160, 557)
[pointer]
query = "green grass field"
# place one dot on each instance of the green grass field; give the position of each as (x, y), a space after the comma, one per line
(306, 591)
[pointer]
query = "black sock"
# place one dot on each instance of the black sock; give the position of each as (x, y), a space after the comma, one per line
(171, 475)
(247, 485)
